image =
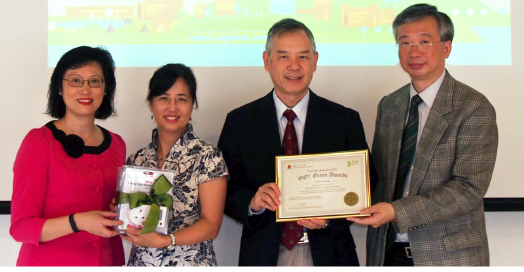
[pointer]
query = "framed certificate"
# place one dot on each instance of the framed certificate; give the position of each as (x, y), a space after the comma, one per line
(324, 186)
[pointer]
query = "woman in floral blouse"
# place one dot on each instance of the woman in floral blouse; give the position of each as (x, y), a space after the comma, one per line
(199, 188)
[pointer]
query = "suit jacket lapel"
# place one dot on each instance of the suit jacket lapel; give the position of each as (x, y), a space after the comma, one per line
(313, 118)
(433, 130)
(266, 123)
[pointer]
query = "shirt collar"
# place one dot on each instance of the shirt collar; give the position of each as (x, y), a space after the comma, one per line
(184, 139)
(430, 93)
(300, 109)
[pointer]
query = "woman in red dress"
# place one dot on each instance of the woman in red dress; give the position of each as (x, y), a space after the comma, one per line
(65, 172)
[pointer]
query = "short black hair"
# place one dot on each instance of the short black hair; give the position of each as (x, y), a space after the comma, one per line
(165, 77)
(76, 58)
(287, 25)
(416, 12)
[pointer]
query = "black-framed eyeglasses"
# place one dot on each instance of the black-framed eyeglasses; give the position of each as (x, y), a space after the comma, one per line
(95, 82)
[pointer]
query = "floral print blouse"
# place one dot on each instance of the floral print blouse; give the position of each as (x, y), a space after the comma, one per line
(195, 162)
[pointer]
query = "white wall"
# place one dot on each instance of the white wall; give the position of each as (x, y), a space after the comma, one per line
(504, 235)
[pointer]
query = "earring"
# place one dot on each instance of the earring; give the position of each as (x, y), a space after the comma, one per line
(60, 93)
(105, 93)
(151, 116)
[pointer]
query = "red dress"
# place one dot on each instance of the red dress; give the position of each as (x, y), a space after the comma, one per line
(48, 184)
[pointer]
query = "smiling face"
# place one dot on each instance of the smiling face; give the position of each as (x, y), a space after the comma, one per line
(172, 110)
(85, 100)
(423, 66)
(291, 64)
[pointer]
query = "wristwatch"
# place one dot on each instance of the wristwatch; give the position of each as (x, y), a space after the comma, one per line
(173, 242)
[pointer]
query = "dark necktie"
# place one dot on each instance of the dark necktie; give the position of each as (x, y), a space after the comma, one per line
(292, 231)
(407, 153)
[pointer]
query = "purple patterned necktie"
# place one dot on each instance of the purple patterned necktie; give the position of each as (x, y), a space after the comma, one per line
(292, 231)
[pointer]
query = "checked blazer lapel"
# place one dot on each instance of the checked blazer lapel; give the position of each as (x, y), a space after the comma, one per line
(433, 130)
(398, 122)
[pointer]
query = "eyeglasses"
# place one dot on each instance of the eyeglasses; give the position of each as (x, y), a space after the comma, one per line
(79, 82)
(422, 46)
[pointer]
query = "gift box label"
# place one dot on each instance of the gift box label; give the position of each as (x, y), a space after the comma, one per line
(130, 218)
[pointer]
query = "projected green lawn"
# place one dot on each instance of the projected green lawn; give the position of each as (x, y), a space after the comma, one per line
(233, 32)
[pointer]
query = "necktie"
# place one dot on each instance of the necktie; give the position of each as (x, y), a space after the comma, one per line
(407, 153)
(292, 231)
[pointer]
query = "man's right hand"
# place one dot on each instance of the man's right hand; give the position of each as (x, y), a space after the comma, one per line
(267, 196)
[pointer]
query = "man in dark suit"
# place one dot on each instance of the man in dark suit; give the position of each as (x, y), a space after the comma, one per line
(434, 156)
(252, 137)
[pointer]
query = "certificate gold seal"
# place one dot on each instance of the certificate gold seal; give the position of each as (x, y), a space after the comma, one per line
(351, 199)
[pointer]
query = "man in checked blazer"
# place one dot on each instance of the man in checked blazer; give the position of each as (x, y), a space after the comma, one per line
(439, 218)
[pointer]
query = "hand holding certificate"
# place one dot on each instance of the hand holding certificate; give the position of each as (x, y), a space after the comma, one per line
(333, 185)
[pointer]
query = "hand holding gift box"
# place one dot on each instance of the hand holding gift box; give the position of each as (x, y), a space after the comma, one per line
(144, 200)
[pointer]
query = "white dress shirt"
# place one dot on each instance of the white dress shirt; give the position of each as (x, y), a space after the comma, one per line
(300, 110)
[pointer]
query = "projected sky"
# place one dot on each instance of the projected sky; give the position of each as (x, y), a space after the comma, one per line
(233, 32)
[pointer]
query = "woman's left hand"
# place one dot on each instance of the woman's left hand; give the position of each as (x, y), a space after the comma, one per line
(152, 239)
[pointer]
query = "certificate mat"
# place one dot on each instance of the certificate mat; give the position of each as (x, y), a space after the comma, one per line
(324, 186)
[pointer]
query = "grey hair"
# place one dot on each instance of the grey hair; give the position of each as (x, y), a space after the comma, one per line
(419, 11)
(287, 26)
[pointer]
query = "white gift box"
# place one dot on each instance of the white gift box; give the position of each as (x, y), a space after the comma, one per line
(134, 179)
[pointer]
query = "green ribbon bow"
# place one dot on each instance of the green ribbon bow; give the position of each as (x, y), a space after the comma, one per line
(157, 196)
